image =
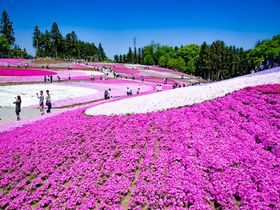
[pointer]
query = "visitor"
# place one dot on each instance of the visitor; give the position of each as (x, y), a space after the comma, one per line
(106, 94)
(165, 81)
(184, 85)
(159, 88)
(51, 78)
(41, 102)
(58, 78)
(130, 92)
(142, 78)
(138, 91)
(18, 106)
(127, 91)
(109, 91)
(133, 78)
(45, 79)
(69, 77)
(48, 101)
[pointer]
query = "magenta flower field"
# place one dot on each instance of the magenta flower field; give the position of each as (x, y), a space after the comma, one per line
(24, 72)
(222, 154)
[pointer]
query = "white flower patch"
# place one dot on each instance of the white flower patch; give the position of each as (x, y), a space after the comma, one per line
(89, 73)
(182, 96)
(28, 93)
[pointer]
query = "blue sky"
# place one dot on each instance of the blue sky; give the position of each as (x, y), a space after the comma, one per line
(172, 22)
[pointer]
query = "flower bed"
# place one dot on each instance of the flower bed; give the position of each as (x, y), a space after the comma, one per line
(182, 96)
(24, 72)
(13, 61)
(28, 93)
(219, 154)
(63, 74)
(79, 66)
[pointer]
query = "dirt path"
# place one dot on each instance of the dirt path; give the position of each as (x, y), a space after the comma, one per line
(9, 115)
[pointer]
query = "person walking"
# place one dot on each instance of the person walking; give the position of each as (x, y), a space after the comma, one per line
(48, 101)
(18, 106)
(41, 101)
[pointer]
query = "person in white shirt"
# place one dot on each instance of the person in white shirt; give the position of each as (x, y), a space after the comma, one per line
(159, 88)
(48, 101)
(41, 102)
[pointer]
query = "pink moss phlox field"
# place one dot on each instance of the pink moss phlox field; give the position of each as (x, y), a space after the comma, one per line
(13, 61)
(161, 69)
(79, 66)
(219, 154)
(24, 72)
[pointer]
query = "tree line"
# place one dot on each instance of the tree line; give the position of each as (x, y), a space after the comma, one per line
(8, 48)
(53, 44)
(48, 44)
(215, 61)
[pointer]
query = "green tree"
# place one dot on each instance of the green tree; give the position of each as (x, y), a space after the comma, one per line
(36, 38)
(116, 59)
(71, 45)
(139, 60)
(57, 40)
(47, 44)
(101, 53)
(149, 60)
(190, 54)
(4, 47)
(265, 50)
(130, 55)
(163, 60)
(6, 28)
(203, 64)
(177, 64)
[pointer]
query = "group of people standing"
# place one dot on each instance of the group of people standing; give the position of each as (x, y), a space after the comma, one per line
(42, 103)
(48, 78)
(158, 88)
